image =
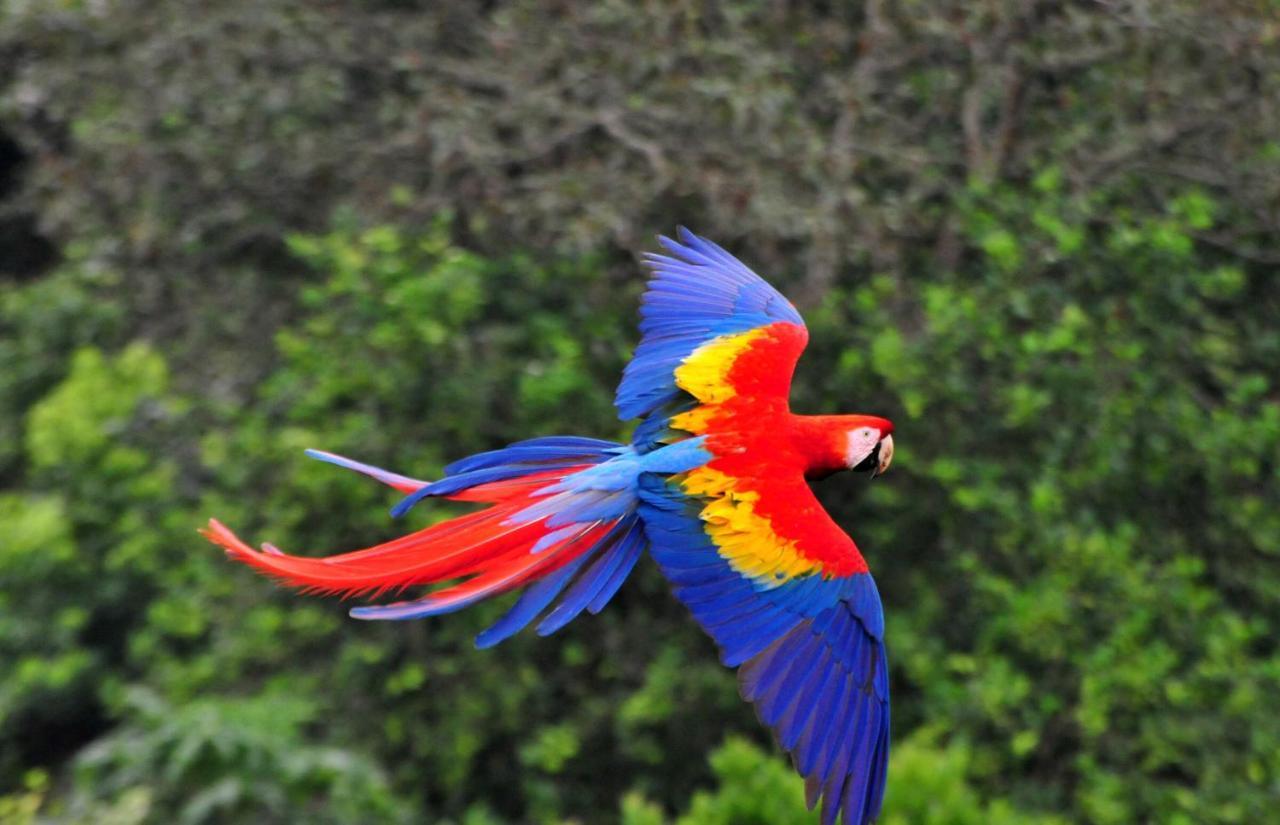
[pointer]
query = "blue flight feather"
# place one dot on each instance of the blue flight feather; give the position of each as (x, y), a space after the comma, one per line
(532, 601)
(697, 292)
(625, 555)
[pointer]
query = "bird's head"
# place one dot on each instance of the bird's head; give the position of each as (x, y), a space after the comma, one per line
(832, 443)
(869, 444)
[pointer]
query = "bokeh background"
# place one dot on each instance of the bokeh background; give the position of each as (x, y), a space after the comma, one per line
(1044, 237)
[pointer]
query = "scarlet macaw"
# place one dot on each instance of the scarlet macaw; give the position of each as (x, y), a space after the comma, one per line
(713, 485)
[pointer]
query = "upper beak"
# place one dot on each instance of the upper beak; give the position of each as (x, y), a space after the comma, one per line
(885, 455)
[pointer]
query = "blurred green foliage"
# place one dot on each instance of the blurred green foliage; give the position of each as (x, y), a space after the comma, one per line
(1040, 236)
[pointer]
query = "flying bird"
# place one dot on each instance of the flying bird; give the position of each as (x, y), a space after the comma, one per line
(713, 487)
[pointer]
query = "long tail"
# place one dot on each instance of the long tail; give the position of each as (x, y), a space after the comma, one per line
(562, 520)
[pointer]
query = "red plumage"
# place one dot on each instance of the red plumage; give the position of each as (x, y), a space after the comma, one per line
(487, 546)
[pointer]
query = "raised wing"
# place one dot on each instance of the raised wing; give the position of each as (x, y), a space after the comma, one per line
(744, 542)
(701, 298)
(786, 596)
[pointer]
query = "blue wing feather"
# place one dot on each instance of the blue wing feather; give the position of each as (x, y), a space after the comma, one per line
(697, 292)
(520, 459)
(586, 588)
(626, 556)
(566, 448)
(532, 601)
(606, 567)
(810, 651)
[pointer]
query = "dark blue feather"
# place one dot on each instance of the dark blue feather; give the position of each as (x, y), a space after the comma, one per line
(727, 585)
(626, 554)
(519, 459)
(534, 450)
(532, 601)
(834, 705)
(734, 609)
(793, 728)
(774, 703)
(781, 658)
(741, 643)
(880, 767)
(585, 588)
(752, 672)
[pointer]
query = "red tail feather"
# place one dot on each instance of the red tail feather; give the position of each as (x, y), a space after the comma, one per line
(487, 545)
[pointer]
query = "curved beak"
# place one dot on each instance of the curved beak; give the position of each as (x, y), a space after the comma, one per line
(885, 455)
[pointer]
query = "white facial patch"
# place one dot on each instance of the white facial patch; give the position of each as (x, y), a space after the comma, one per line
(861, 442)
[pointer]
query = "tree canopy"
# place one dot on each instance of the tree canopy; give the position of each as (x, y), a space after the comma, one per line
(1043, 237)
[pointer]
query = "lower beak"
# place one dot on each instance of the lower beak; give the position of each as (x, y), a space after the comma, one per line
(886, 455)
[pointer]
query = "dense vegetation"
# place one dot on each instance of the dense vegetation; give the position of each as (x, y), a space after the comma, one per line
(1043, 237)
